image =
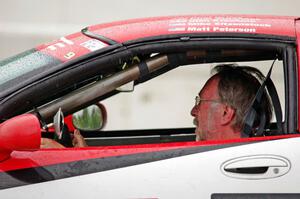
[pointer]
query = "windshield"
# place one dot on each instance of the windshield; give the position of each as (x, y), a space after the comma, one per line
(16, 69)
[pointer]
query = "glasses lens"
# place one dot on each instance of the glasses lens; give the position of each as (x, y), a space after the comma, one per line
(197, 100)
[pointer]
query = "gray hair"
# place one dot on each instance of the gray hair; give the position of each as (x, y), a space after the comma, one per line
(237, 88)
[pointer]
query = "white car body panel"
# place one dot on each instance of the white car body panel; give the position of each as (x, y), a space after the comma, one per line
(192, 176)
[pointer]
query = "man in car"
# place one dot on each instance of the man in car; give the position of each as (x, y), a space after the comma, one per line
(224, 101)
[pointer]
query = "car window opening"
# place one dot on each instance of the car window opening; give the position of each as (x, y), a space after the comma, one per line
(162, 63)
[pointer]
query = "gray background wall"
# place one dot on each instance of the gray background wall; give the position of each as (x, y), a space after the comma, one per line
(27, 23)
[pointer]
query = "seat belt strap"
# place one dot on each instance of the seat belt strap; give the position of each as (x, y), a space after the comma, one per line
(256, 104)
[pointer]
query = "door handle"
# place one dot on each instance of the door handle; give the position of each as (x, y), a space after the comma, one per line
(256, 167)
(248, 170)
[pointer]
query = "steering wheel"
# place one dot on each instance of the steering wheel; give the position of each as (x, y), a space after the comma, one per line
(62, 134)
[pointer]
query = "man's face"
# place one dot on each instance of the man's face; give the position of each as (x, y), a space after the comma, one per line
(206, 113)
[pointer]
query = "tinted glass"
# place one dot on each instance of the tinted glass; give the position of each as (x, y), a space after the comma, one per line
(20, 68)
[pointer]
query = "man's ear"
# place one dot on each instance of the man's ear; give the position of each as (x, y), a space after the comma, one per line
(228, 115)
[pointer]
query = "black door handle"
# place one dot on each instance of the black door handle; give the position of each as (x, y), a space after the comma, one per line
(248, 170)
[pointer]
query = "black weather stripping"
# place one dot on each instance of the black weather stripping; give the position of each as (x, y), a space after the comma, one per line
(88, 33)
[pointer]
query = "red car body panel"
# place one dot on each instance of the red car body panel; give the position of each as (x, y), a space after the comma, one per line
(72, 46)
(151, 27)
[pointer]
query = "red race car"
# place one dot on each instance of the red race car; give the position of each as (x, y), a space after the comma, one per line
(78, 80)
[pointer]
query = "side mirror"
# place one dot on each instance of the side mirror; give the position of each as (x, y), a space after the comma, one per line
(22, 132)
(92, 118)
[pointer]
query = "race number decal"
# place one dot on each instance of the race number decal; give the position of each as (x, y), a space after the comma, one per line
(69, 55)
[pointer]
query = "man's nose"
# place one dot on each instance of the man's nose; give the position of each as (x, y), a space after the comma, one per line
(194, 111)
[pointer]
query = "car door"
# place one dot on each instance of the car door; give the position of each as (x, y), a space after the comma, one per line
(245, 170)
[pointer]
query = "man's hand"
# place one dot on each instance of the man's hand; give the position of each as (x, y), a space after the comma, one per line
(47, 143)
(78, 140)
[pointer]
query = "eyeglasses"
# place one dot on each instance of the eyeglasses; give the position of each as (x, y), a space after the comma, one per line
(198, 99)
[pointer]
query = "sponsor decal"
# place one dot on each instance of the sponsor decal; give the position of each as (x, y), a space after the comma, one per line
(93, 44)
(217, 24)
(63, 42)
(71, 47)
